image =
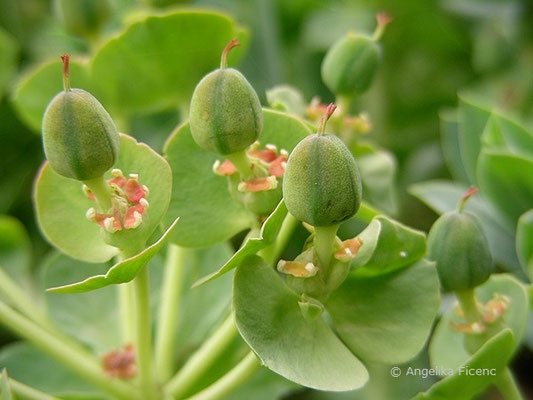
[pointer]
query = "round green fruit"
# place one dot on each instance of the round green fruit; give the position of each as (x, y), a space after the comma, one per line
(80, 139)
(321, 184)
(350, 65)
(458, 245)
(225, 115)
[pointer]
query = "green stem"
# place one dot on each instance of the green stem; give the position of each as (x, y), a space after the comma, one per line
(225, 385)
(200, 362)
(323, 244)
(24, 392)
(240, 160)
(143, 333)
(468, 302)
(101, 192)
(274, 250)
(15, 295)
(367, 212)
(507, 386)
(66, 352)
(168, 312)
(125, 300)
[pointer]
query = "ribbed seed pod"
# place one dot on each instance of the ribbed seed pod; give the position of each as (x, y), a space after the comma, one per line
(225, 114)
(350, 65)
(458, 245)
(322, 184)
(80, 139)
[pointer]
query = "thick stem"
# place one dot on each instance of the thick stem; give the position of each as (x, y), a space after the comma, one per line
(168, 312)
(125, 300)
(143, 333)
(15, 295)
(240, 160)
(366, 212)
(24, 392)
(274, 250)
(202, 359)
(469, 305)
(323, 244)
(507, 385)
(229, 382)
(66, 352)
(101, 192)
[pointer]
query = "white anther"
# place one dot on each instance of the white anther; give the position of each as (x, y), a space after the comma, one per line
(271, 147)
(138, 218)
(91, 214)
(281, 265)
(403, 254)
(284, 152)
(134, 176)
(143, 202)
(146, 191)
(477, 327)
(284, 164)
(309, 267)
(348, 252)
(109, 224)
(216, 165)
(272, 182)
(116, 172)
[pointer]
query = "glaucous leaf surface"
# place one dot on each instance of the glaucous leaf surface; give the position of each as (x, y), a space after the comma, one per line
(449, 136)
(442, 196)
(61, 205)
(524, 240)
(252, 245)
(269, 319)
(506, 181)
(166, 55)
(503, 134)
(33, 368)
(36, 88)
(200, 198)
(447, 350)
(495, 353)
(122, 272)
(91, 318)
(386, 318)
(5, 387)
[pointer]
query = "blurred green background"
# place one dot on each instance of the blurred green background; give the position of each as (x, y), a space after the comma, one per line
(432, 51)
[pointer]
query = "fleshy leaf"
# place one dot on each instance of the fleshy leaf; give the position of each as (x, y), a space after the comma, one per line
(165, 55)
(449, 135)
(387, 245)
(494, 354)
(386, 318)
(442, 196)
(252, 245)
(37, 88)
(91, 318)
(378, 176)
(270, 321)
(503, 134)
(447, 350)
(8, 61)
(524, 240)
(122, 272)
(61, 205)
(201, 198)
(506, 180)
(472, 121)
(15, 251)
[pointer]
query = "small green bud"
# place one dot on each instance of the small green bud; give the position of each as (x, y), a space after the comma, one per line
(225, 115)
(80, 139)
(458, 245)
(83, 17)
(352, 62)
(322, 185)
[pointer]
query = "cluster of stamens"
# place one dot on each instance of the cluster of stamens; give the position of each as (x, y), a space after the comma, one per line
(128, 203)
(357, 124)
(268, 165)
(490, 312)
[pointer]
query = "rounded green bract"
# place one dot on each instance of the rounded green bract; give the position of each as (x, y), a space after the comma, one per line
(80, 139)
(350, 65)
(458, 245)
(322, 185)
(83, 17)
(225, 115)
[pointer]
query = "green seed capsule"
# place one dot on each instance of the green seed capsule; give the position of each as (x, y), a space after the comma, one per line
(80, 139)
(322, 185)
(461, 250)
(225, 115)
(83, 17)
(350, 65)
